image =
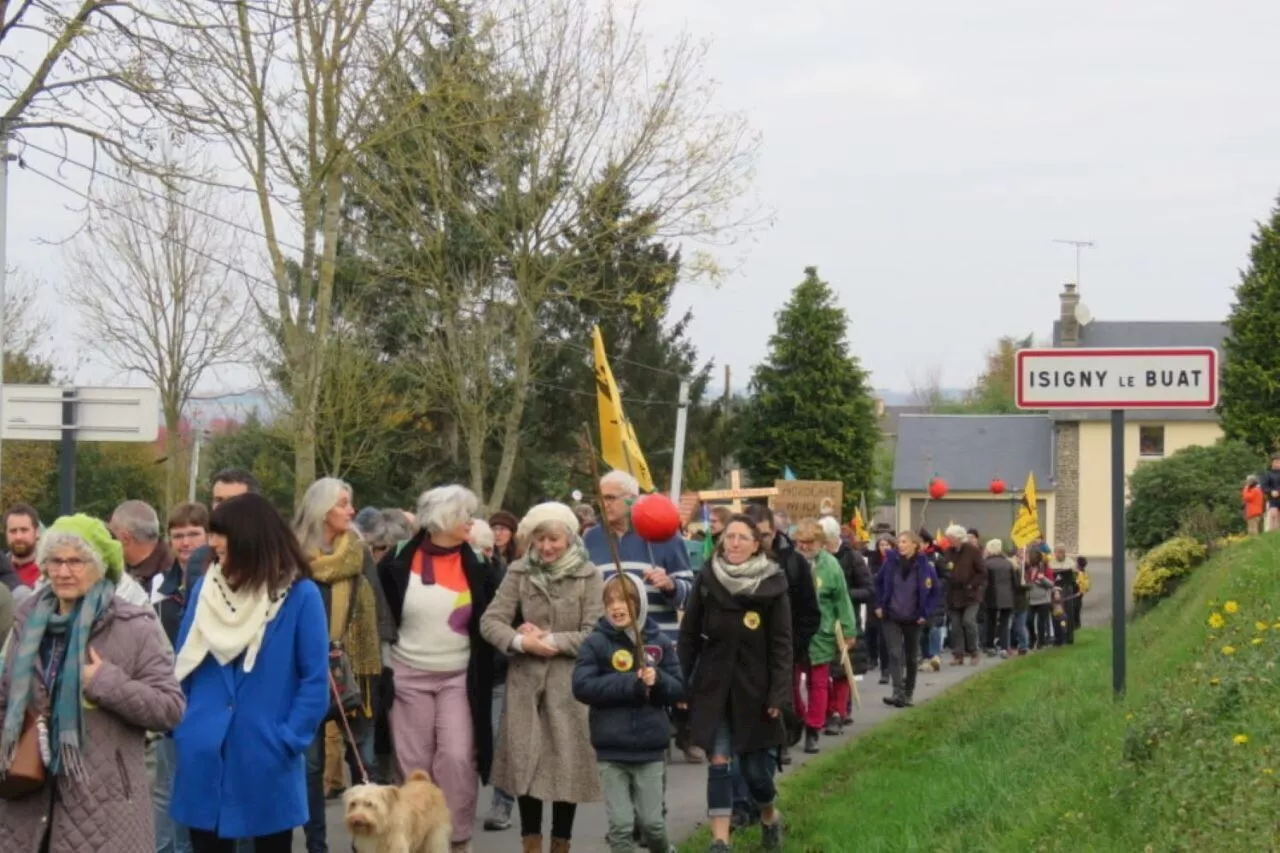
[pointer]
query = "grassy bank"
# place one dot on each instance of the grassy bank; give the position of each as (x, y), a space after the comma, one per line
(1036, 756)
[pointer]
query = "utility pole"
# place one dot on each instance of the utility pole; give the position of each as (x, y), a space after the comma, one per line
(5, 157)
(1078, 244)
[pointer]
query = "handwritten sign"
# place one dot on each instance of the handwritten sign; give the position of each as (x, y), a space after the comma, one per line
(802, 499)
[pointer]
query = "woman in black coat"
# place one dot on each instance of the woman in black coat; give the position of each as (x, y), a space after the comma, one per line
(735, 650)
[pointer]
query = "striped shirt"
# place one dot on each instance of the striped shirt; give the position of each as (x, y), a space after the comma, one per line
(638, 557)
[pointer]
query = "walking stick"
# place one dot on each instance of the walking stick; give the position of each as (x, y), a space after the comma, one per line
(847, 664)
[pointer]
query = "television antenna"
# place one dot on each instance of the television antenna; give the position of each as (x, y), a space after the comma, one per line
(1078, 244)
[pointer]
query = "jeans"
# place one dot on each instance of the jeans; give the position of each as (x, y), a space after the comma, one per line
(932, 640)
(1003, 616)
(170, 836)
(902, 639)
(1020, 630)
(1044, 634)
(362, 730)
(633, 799)
(500, 797)
(964, 630)
(757, 769)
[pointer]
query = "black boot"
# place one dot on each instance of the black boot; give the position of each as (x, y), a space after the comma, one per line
(786, 756)
(834, 725)
(894, 701)
(810, 740)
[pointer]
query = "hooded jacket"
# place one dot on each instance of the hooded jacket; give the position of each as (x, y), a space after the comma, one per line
(928, 590)
(629, 722)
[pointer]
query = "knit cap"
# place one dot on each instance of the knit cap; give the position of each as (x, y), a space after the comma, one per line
(542, 513)
(95, 535)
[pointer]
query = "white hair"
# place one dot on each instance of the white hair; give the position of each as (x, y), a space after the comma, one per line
(445, 507)
(481, 535)
(830, 528)
(138, 519)
(308, 522)
(630, 485)
(59, 539)
(957, 533)
(994, 548)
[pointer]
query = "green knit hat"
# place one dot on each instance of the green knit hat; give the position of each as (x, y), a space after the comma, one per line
(96, 535)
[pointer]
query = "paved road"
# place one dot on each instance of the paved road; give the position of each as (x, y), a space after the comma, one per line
(687, 784)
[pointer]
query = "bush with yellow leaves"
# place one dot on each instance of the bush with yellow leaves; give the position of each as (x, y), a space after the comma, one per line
(1163, 566)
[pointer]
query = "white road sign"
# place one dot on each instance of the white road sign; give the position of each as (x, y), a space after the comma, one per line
(34, 413)
(1074, 378)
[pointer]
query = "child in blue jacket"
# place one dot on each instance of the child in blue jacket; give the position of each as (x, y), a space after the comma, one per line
(628, 685)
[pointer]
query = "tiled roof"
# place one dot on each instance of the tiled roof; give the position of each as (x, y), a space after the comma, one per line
(969, 450)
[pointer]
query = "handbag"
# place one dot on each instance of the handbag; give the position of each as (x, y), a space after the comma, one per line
(26, 774)
(346, 696)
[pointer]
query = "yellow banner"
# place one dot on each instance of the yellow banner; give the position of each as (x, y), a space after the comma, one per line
(618, 444)
(1026, 526)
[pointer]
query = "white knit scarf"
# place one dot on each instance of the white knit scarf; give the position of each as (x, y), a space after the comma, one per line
(227, 623)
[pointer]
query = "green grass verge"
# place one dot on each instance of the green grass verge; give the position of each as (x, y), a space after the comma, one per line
(1036, 755)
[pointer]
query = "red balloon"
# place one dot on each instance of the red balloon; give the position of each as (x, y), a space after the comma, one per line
(937, 488)
(997, 486)
(655, 518)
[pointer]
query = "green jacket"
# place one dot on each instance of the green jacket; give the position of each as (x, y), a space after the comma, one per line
(834, 606)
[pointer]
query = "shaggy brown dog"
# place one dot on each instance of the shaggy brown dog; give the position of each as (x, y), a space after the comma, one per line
(410, 819)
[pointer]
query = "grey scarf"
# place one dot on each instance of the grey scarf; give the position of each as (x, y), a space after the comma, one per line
(744, 578)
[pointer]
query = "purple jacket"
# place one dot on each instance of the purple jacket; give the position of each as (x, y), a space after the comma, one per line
(929, 589)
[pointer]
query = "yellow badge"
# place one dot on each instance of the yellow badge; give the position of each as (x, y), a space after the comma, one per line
(928, 583)
(751, 619)
(817, 582)
(622, 660)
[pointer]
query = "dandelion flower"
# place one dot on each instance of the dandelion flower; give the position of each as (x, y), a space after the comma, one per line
(1261, 626)
(1228, 650)
(1267, 771)
(1128, 716)
(1216, 621)
(1214, 682)
(1257, 641)
(1240, 740)
(1231, 607)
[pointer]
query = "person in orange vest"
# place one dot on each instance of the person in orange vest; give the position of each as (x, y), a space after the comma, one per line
(1254, 503)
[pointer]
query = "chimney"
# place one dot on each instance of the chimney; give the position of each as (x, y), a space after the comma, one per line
(1068, 325)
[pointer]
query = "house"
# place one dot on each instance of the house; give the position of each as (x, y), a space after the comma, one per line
(1069, 451)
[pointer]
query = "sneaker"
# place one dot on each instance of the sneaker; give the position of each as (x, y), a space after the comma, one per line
(810, 741)
(957, 660)
(693, 754)
(771, 834)
(893, 701)
(499, 817)
(846, 720)
(833, 725)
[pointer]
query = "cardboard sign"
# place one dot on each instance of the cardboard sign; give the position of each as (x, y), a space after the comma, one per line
(801, 499)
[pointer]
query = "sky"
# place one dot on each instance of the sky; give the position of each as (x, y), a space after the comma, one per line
(926, 156)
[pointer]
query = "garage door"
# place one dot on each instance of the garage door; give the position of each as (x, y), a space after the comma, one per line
(994, 519)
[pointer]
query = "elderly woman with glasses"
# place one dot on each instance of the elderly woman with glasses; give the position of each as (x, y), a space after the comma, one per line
(94, 673)
(437, 590)
(544, 751)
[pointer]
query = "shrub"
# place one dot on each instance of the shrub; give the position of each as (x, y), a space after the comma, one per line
(1201, 481)
(1162, 566)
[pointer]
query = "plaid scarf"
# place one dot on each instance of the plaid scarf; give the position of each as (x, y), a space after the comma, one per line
(66, 726)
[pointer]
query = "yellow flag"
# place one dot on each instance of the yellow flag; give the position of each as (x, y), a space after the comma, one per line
(859, 526)
(618, 444)
(1026, 527)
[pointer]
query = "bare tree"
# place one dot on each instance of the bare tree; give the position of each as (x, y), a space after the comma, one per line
(568, 99)
(284, 86)
(151, 281)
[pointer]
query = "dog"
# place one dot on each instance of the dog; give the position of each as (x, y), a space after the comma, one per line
(412, 818)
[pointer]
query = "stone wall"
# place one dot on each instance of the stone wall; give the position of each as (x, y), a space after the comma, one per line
(1066, 526)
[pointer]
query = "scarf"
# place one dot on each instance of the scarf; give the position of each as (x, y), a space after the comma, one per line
(544, 574)
(66, 725)
(227, 624)
(744, 578)
(357, 629)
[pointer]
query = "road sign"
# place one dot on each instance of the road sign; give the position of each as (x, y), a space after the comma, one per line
(1158, 378)
(36, 413)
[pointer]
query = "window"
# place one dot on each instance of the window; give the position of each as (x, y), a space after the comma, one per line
(1151, 440)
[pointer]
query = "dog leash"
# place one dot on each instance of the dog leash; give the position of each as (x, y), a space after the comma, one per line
(351, 738)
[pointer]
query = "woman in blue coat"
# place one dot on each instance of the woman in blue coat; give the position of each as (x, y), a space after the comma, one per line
(253, 661)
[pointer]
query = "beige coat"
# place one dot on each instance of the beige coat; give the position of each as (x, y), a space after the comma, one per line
(543, 745)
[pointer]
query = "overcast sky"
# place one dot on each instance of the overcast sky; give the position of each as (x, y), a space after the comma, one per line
(924, 156)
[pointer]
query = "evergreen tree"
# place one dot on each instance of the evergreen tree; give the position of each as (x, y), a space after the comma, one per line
(1250, 400)
(811, 407)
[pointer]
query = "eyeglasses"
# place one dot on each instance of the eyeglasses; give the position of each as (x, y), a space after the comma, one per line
(74, 564)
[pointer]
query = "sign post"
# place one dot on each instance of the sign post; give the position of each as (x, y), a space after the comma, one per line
(68, 415)
(1117, 379)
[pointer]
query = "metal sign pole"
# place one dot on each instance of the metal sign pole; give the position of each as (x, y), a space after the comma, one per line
(1117, 553)
(67, 454)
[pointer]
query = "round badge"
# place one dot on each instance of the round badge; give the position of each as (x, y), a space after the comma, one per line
(928, 583)
(751, 619)
(622, 660)
(817, 582)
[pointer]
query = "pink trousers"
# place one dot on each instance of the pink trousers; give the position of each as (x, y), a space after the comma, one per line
(431, 727)
(818, 679)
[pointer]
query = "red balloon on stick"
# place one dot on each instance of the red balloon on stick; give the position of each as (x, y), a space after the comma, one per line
(937, 488)
(655, 518)
(997, 486)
